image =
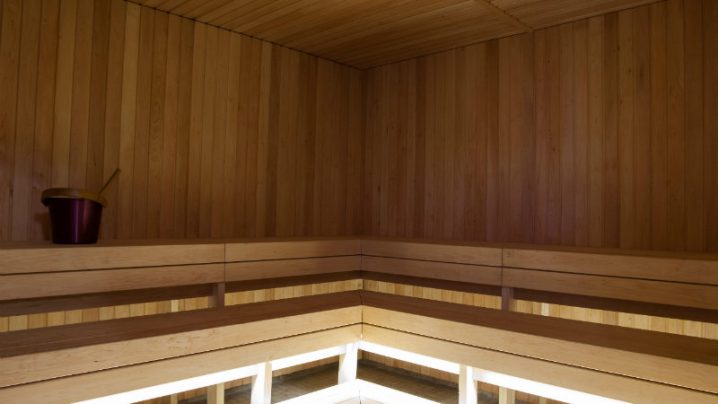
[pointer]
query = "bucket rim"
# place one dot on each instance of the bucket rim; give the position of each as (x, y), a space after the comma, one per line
(71, 193)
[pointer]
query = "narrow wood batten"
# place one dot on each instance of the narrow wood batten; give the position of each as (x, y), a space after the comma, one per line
(121, 342)
(92, 300)
(442, 272)
(86, 258)
(577, 378)
(288, 248)
(112, 381)
(77, 282)
(678, 360)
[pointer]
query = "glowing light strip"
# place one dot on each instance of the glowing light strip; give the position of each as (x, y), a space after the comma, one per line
(307, 357)
(410, 357)
(358, 389)
(335, 394)
(383, 394)
(540, 389)
(166, 389)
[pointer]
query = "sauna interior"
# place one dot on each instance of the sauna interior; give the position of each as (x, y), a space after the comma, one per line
(358, 201)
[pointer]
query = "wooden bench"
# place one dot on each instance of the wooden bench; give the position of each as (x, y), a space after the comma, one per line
(37, 279)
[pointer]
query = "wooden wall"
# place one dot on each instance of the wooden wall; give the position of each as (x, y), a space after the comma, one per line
(602, 132)
(217, 134)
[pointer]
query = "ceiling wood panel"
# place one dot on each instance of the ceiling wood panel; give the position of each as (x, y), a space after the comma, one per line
(369, 33)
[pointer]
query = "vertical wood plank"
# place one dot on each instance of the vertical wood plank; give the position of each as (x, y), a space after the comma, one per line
(140, 162)
(194, 161)
(231, 141)
(568, 174)
(675, 70)
(209, 90)
(658, 118)
(710, 39)
(127, 121)
(37, 220)
(642, 124)
(263, 138)
(184, 128)
(626, 101)
(9, 56)
(167, 181)
(98, 95)
(596, 135)
(694, 136)
(113, 115)
(63, 94)
(612, 194)
(580, 128)
(157, 130)
(220, 129)
(79, 127)
(25, 126)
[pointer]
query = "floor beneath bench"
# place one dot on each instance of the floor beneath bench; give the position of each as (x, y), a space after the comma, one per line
(307, 381)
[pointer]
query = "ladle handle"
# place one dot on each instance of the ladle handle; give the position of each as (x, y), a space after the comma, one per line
(109, 180)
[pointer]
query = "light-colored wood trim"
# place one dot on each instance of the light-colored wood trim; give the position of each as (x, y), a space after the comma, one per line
(66, 362)
(437, 270)
(673, 293)
(262, 384)
(348, 363)
(460, 254)
(467, 385)
(505, 16)
(240, 271)
(630, 266)
(113, 381)
(507, 396)
(273, 250)
(215, 394)
(81, 258)
(648, 367)
(27, 286)
(581, 379)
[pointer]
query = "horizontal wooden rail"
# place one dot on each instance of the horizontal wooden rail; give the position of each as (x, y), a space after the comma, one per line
(143, 375)
(84, 258)
(567, 376)
(33, 279)
(34, 355)
(681, 361)
(126, 349)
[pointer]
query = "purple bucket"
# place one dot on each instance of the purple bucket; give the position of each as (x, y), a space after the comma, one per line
(74, 215)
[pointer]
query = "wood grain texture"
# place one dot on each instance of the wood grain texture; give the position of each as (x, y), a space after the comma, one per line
(25, 286)
(614, 359)
(202, 122)
(679, 294)
(598, 133)
(113, 381)
(368, 33)
(434, 270)
(585, 380)
(239, 271)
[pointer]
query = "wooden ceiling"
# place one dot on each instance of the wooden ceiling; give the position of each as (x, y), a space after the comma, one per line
(368, 33)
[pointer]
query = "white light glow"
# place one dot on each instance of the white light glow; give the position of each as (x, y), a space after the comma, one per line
(383, 394)
(410, 357)
(307, 357)
(540, 389)
(179, 386)
(335, 394)
(358, 389)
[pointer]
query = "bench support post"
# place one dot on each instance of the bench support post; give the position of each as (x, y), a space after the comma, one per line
(348, 363)
(262, 384)
(215, 394)
(507, 396)
(467, 385)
